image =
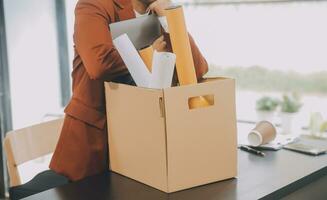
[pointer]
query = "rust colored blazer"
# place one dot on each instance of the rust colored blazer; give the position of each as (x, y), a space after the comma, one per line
(82, 148)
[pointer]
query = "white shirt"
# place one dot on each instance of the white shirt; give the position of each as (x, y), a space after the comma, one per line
(162, 19)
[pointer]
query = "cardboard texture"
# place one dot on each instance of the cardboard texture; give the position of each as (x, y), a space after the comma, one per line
(155, 138)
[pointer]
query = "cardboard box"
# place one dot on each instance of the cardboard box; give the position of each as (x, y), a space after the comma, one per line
(155, 138)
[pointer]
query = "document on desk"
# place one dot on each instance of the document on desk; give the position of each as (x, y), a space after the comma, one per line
(278, 143)
(309, 144)
(142, 31)
(132, 60)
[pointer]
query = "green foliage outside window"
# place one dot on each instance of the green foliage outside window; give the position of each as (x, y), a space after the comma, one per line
(290, 103)
(265, 80)
(267, 104)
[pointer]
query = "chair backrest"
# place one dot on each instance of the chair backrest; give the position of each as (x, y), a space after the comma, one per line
(28, 144)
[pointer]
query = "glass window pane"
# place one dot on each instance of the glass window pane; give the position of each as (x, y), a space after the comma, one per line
(33, 60)
(270, 48)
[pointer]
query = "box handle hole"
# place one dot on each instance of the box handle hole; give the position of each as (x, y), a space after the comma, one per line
(201, 101)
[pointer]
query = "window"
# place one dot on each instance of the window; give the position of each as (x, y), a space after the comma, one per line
(33, 60)
(270, 48)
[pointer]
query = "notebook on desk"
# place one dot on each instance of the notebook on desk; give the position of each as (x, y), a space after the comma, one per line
(308, 145)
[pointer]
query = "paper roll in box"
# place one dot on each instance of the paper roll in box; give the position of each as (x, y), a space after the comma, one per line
(147, 56)
(180, 43)
(155, 138)
(181, 46)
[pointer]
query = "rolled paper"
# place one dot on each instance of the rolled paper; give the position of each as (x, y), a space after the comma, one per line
(147, 56)
(132, 60)
(263, 133)
(162, 70)
(181, 45)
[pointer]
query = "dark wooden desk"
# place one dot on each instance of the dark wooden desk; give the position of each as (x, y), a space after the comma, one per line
(277, 175)
(282, 174)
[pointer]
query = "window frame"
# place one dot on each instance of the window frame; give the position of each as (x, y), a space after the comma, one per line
(5, 96)
(63, 52)
(5, 103)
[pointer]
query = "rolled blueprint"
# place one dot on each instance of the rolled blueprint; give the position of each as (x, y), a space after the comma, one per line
(181, 45)
(163, 66)
(132, 60)
(147, 56)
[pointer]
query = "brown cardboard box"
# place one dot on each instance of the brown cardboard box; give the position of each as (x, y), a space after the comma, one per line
(156, 139)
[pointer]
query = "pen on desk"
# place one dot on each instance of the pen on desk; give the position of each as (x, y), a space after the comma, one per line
(251, 150)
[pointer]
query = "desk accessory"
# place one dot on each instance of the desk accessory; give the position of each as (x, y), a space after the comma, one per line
(263, 133)
(252, 150)
(305, 148)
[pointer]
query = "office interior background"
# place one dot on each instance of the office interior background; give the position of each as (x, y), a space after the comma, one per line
(271, 47)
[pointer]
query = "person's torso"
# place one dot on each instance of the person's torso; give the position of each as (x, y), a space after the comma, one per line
(88, 94)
